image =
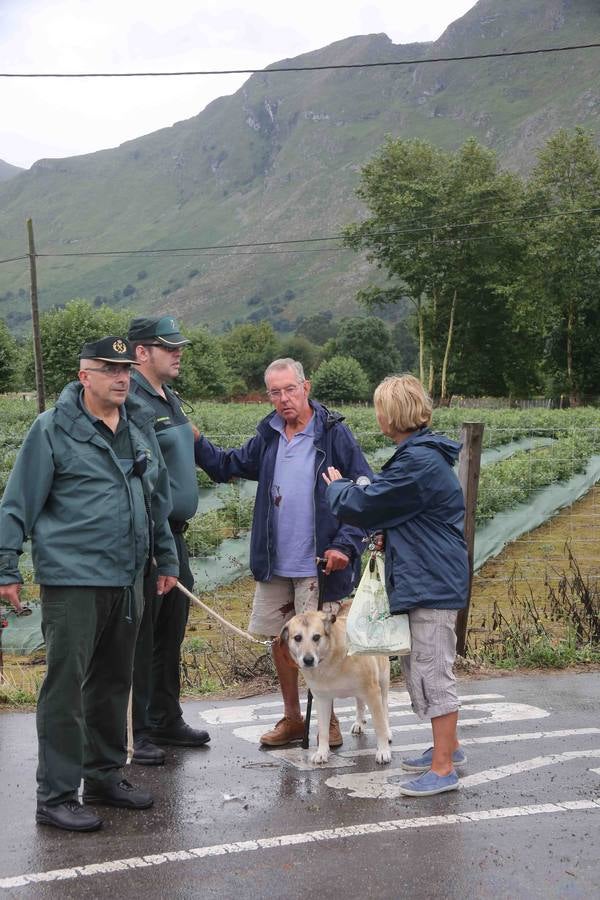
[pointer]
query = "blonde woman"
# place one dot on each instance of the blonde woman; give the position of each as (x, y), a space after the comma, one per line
(417, 502)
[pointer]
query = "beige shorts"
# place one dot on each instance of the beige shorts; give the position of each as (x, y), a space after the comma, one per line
(428, 668)
(279, 600)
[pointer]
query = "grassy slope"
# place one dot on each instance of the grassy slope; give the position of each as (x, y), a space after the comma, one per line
(8, 171)
(281, 157)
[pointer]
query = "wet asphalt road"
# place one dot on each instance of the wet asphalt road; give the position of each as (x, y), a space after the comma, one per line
(234, 819)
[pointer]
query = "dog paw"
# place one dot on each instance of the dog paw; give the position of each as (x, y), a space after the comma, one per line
(320, 757)
(358, 727)
(382, 757)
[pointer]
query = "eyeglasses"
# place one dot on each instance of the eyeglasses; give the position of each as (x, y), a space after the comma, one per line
(290, 391)
(164, 347)
(111, 369)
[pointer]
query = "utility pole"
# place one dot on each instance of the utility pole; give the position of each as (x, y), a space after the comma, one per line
(35, 324)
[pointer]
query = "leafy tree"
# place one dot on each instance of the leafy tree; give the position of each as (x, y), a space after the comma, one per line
(248, 350)
(441, 224)
(340, 379)
(8, 357)
(204, 372)
(565, 257)
(64, 332)
(368, 340)
(300, 348)
(405, 345)
(317, 328)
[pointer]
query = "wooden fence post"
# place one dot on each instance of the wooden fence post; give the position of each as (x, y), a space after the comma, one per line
(469, 464)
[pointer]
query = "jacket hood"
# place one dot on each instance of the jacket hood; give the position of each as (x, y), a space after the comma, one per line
(448, 448)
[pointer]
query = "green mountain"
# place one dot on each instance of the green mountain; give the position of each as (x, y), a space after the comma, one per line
(8, 171)
(280, 159)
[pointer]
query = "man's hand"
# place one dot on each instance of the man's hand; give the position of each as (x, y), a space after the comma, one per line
(11, 592)
(335, 560)
(164, 584)
(332, 474)
(195, 431)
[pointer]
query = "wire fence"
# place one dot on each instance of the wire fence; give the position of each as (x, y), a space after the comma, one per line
(538, 511)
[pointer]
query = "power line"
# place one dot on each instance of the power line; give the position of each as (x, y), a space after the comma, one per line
(333, 66)
(332, 237)
(256, 246)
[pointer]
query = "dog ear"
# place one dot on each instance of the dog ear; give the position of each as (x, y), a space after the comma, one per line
(328, 622)
(284, 634)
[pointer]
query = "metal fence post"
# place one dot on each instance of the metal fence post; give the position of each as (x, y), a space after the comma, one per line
(469, 464)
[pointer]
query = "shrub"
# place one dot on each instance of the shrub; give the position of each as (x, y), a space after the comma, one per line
(340, 379)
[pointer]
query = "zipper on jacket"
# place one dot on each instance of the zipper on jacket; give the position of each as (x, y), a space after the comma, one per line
(318, 450)
(270, 488)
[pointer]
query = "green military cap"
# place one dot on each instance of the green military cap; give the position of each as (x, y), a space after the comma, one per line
(156, 331)
(111, 349)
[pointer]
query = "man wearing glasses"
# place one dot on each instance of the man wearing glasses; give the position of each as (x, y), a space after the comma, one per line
(87, 484)
(292, 523)
(157, 714)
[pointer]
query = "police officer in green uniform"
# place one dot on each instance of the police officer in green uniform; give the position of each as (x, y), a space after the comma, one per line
(157, 713)
(87, 483)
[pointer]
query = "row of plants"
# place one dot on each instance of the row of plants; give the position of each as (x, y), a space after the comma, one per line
(513, 480)
(503, 485)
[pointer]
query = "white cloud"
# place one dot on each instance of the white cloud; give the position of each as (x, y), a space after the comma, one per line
(48, 117)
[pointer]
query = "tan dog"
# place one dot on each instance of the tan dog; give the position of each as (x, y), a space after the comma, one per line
(317, 643)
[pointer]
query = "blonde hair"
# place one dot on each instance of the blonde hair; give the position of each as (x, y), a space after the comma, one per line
(403, 402)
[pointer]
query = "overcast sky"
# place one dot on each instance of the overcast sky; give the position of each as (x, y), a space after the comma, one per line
(59, 117)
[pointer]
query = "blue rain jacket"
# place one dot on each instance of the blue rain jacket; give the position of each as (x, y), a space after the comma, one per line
(255, 460)
(418, 502)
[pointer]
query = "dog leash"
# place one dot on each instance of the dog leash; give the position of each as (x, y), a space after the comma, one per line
(219, 618)
(309, 696)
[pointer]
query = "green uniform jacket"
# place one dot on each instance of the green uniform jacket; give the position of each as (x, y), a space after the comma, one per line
(85, 514)
(175, 437)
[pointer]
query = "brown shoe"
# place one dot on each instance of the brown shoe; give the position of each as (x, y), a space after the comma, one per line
(285, 732)
(335, 734)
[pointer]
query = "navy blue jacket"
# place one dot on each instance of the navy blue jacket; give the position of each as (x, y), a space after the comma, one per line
(418, 502)
(255, 460)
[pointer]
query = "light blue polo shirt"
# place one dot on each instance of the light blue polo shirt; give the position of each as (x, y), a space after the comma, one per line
(293, 502)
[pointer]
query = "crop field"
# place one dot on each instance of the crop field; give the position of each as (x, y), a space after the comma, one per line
(539, 468)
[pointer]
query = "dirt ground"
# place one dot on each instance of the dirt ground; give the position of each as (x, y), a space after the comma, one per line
(538, 558)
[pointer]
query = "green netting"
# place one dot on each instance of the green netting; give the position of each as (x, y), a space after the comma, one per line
(507, 526)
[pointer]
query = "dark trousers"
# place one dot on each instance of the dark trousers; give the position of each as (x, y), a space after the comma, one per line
(90, 636)
(156, 676)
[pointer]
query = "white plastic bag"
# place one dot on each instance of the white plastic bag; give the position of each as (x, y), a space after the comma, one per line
(370, 629)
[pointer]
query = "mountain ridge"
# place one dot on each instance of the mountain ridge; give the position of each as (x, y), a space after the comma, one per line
(281, 158)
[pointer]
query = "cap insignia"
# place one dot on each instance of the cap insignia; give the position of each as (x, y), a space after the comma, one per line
(119, 347)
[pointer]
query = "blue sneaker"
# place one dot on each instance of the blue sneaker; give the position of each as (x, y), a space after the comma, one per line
(423, 763)
(428, 784)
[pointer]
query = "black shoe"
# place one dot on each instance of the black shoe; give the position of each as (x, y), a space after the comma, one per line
(145, 753)
(70, 816)
(179, 734)
(111, 793)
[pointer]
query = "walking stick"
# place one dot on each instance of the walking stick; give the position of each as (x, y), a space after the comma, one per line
(321, 580)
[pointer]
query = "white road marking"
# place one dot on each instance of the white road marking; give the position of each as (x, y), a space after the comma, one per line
(526, 765)
(378, 785)
(236, 715)
(365, 829)
(300, 758)
(497, 712)
(486, 739)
